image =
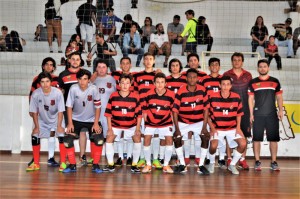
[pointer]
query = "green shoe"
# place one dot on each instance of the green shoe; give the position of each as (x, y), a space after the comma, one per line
(62, 167)
(141, 163)
(156, 163)
(90, 162)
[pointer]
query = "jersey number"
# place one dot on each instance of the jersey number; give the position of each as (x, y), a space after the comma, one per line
(158, 108)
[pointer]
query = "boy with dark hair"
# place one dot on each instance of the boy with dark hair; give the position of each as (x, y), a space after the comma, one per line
(272, 51)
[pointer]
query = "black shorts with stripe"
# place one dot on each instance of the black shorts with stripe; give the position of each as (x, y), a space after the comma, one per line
(83, 126)
(269, 123)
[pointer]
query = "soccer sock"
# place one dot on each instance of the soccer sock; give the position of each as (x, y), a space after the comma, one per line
(129, 148)
(59, 48)
(186, 147)
(155, 147)
(136, 153)
(50, 48)
(179, 152)
(236, 157)
(62, 152)
(120, 148)
(110, 153)
(92, 149)
(198, 149)
(51, 147)
(36, 149)
(168, 155)
(212, 158)
(147, 153)
(71, 155)
(162, 152)
(97, 154)
(202, 156)
(222, 152)
(142, 155)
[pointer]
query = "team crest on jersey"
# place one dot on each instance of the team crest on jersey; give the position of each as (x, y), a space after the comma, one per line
(89, 97)
(130, 107)
(166, 105)
(52, 102)
(46, 108)
(258, 84)
(69, 77)
(231, 106)
(108, 85)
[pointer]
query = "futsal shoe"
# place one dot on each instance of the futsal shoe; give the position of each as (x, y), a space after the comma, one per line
(257, 165)
(156, 164)
(90, 162)
(52, 162)
(33, 167)
(233, 170)
(147, 169)
(243, 165)
(71, 168)
(210, 167)
(274, 166)
(129, 162)
(83, 161)
(167, 169)
(180, 169)
(141, 163)
(62, 167)
(202, 170)
(222, 164)
(29, 163)
(96, 169)
(135, 169)
(119, 162)
(109, 168)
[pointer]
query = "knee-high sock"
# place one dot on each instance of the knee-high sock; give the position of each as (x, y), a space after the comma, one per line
(120, 148)
(202, 156)
(36, 153)
(212, 158)
(110, 153)
(162, 152)
(97, 152)
(147, 153)
(168, 154)
(222, 152)
(130, 148)
(142, 155)
(236, 157)
(136, 153)
(179, 152)
(71, 155)
(155, 147)
(187, 148)
(51, 147)
(198, 149)
(92, 149)
(62, 152)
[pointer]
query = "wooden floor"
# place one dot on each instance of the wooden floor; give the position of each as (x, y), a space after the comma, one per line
(15, 182)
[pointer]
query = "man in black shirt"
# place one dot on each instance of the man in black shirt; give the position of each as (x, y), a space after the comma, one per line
(86, 14)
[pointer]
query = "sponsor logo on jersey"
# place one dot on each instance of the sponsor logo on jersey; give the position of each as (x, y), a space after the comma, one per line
(89, 97)
(52, 102)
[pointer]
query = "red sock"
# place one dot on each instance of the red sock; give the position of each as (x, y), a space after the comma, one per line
(92, 149)
(71, 155)
(97, 154)
(62, 152)
(36, 153)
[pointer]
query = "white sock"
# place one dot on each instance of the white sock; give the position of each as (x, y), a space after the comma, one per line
(110, 153)
(136, 152)
(202, 156)
(142, 155)
(147, 153)
(51, 147)
(59, 48)
(198, 149)
(168, 155)
(50, 48)
(120, 148)
(187, 147)
(130, 148)
(162, 152)
(179, 152)
(236, 157)
(211, 157)
(155, 147)
(222, 152)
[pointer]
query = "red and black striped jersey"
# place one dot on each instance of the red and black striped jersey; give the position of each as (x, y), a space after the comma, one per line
(35, 84)
(123, 111)
(224, 111)
(158, 108)
(117, 74)
(190, 105)
(144, 81)
(65, 80)
(211, 84)
(175, 83)
(201, 74)
(264, 92)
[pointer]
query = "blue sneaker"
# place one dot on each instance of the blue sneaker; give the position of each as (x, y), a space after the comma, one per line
(52, 162)
(96, 169)
(70, 168)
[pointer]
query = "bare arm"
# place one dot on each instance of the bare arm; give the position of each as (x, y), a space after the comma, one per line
(251, 106)
(279, 99)
(36, 123)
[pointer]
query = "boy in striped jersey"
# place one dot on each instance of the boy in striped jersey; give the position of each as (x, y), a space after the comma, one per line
(193, 62)
(83, 109)
(175, 80)
(157, 106)
(225, 108)
(123, 114)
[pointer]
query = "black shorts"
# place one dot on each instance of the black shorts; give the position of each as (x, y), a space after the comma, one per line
(79, 126)
(245, 125)
(175, 41)
(270, 124)
(191, 47)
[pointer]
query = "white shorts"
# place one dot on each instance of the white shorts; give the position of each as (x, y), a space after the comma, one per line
(162, 132)
(86, 32)
(128, 133)
(186, 128)
(230, 135)
(45, 133)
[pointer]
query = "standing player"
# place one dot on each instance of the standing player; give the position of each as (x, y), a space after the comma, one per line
(123, 113)
(157, 106)
(263, 91)
(175, 80)
(49, 66)
(46, 107)
(225, 109)
(106, 85)
(83, 109)
(241, 79)
(190, 115)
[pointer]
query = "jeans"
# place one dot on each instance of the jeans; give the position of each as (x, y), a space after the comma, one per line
(288, 43)
(139, 52)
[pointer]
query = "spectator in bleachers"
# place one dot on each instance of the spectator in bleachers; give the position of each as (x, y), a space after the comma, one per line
(4, 31)
(204, 35)
(283, 36)
(108, 24)
(74, 45)
(174, 30)
(259, 34)
(147, 29)
(132, 44)
(102, 6)
(86, 13)
(37, 32)
(53, 22)
(126, 28)
(104, 50)
(272, 52)
(14, 42)
(190, 29)
(159, 44)
(296, 40)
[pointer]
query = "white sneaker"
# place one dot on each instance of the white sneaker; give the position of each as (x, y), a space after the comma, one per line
(211, 168)
(233, 170)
